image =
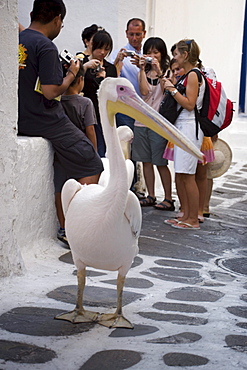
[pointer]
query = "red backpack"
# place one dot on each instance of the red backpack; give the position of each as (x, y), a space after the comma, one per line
(217, 110)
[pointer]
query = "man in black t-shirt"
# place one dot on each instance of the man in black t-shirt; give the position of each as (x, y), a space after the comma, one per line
(41, 84)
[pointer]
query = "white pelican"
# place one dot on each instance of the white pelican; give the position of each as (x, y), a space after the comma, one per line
(103, 223)
(125, 135)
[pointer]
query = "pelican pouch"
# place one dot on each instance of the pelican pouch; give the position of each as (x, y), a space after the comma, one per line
(168, 106)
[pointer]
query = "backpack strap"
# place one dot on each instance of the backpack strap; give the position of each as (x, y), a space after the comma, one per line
(184, 78)
(200, 76)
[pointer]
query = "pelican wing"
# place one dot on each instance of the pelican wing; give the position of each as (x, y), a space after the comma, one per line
(133, 213)
(70, 188)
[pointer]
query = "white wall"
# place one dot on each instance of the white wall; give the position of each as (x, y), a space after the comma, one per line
(9, 249)
(36, 219)
(217, 26)
(27, 211)
(110, 14)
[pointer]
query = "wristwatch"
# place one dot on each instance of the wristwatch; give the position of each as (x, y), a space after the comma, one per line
(174, 92)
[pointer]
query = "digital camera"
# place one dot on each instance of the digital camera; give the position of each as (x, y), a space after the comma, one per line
(130, 53)
(66, 56)
(148, 60)
(97, 69)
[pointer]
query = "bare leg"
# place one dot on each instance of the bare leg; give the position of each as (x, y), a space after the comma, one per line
(192, 199)
(208, 196)
(79, 314)
(182, 195)
(201, 181)
(116, 319)
(148, 172)
(59, 209)
(166, 181)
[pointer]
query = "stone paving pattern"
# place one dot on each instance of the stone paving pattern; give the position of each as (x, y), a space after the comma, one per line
(186, 294)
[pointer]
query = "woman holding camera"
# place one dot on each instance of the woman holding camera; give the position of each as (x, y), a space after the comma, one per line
(187, 54)
(148, 147)
(101, 47)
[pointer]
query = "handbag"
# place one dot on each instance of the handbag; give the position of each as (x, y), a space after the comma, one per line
(168, 106)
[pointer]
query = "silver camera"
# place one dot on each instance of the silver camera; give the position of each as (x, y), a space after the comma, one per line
(148, 60)
(66, 56)
(97, 69)
(130, 53)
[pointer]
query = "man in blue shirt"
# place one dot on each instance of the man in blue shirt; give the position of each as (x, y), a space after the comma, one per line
(135, 34)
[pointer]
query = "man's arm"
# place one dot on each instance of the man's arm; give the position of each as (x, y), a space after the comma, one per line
(53, 91)
(118, 62)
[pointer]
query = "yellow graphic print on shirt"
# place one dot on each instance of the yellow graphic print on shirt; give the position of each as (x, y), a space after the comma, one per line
(22, 56)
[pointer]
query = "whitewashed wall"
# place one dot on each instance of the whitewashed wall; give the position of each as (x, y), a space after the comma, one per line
(217, 26)
(110, 14)
(10, 259)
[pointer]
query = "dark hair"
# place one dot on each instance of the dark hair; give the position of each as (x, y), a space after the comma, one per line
(44, 11)
(136, 20)
(160, 45)
(173, 48)
(88, 32)
(193, 51)
(80, 73)
(172, 61)
(100, 39)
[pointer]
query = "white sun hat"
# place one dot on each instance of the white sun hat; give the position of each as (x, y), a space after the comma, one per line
(223, 159)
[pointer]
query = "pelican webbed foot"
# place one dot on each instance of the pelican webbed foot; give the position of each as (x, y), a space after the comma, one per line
(79, 316)
(114, 320)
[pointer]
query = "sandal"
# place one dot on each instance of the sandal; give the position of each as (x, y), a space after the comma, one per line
(172, 221)
(185, 226)
(163, 207)
(148, 201)
(200, 219)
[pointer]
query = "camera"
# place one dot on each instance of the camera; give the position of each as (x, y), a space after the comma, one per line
(97, 69)
(66, 56)
(148, 60)
(130, 53)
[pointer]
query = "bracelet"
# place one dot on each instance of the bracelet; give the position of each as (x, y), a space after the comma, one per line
(174, 92)
(69, 70)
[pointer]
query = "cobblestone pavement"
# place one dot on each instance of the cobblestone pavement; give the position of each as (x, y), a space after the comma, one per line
(186, 294)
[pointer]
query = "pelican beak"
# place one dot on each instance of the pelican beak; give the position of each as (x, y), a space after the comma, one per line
(132, 105)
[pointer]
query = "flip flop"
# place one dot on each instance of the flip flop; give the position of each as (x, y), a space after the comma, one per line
(185, 226)
(171, 222)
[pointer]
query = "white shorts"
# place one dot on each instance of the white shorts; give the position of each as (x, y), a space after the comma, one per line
(183, 161)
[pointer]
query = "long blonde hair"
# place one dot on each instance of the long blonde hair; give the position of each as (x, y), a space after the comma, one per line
(193, 51)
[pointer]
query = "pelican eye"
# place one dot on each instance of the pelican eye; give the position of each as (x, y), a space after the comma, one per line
(121, 89)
